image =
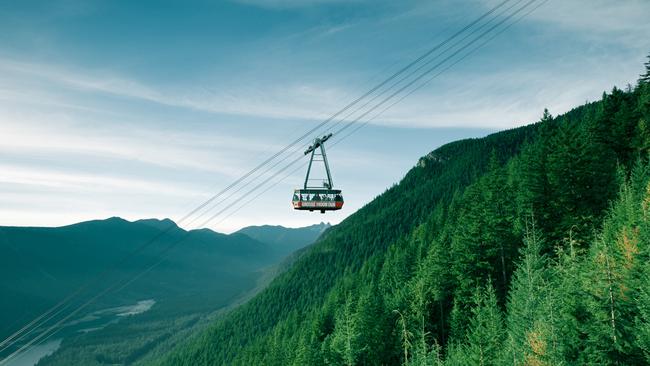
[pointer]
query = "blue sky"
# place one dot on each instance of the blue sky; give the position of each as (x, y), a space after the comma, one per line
(145, 108)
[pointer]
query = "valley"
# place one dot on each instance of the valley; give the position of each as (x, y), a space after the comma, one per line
(198, 280)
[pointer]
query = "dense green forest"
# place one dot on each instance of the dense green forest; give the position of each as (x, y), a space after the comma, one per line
(527, 247)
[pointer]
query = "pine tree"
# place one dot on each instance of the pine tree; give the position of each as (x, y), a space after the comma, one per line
(642, 134)
(345, 339)
(530, 323)
(616, 125)
(642, 326)
(645, 78)
(581, 176)
(471, 264)
(418, 314)
(308, 350)
(533, 189)
(436, 276)
(277, 352)
(499, 212)
(456, 355)
(642, 322)
(373, 327)
(613, 285)
(485, 337)
(396, 271)
(530, 177)
(483, 244)
(406, 337)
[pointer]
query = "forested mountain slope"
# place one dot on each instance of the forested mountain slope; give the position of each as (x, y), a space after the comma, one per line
(529, 246)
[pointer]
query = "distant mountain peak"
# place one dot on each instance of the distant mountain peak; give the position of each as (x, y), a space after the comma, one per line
(158, 223)
(282, 239)
(320, 227)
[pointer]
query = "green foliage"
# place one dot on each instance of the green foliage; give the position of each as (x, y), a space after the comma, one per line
(580, 172)
(645, 77)
(643, 320)
(615, 264)
(485, 336)
(514, 249)
(532, 331)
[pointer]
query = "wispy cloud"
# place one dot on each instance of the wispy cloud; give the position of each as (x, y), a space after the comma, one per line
(600, 21)
(295, 101)
(99, 130)
(505, 98)
(292, 3)
(47, 135)
(597, 16)
(57, 181)
(494, 100)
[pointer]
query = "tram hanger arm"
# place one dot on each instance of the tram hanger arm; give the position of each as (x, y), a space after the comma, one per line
(317, 143)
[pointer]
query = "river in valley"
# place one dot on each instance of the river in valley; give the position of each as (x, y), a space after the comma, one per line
(89, 323)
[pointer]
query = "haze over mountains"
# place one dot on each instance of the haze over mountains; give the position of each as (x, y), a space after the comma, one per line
(201, 273)
(285, 240)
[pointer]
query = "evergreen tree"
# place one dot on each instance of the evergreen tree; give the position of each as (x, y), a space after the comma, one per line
(615, 128)
(642, 322)
(483, 245)
(345, 339)
(641, 137)
(308, 351)
(530, 322)
(567, 295)
(614, 267)
(396, 270)
(374, 328)
(418, 316)
(530, 177)
(485, 336)
(499, 212)
(581, 177)
(436, 278)
(645, 77)
(456, 355)
(467, 247)
(406, 337)
(642, 326)
(457, 323)
(276, 354)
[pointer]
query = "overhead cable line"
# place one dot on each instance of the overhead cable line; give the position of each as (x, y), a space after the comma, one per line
(400, 80)
(350, 105)
(360, 124)
(391, 96)
(302, 137)
(394, 84)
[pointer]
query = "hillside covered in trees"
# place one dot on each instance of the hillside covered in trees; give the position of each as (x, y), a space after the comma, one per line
(527, 247)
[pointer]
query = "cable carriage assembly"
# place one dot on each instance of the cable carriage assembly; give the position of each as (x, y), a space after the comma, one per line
(322, 198)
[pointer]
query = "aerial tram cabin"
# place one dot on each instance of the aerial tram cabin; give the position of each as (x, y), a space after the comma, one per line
(322, 198)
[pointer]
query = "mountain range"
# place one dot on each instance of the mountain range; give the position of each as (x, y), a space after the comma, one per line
(202, 270)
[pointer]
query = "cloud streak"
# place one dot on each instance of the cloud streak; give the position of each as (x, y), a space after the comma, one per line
(285, 4)
(104, 132)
